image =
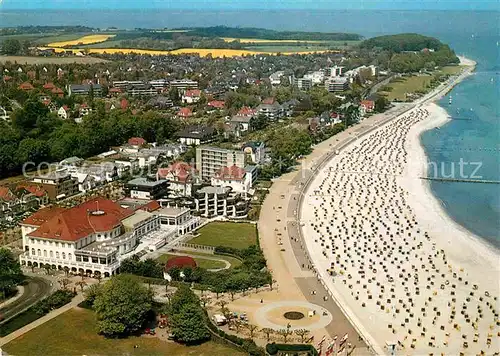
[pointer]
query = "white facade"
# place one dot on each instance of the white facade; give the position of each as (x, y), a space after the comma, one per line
(237, 185)
(62, 113)
(317, 77)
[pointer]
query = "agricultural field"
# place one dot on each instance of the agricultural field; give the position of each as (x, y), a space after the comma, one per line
(203, 52)
(257, 40)
(236, 235)
(76, 335)
(50, 60)
(82, 41)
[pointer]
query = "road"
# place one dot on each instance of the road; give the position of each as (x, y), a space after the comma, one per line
(36, 289)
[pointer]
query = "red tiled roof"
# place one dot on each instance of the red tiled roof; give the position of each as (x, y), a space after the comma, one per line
(219, 104)
(192, 93)
(93, 216)
(26, 86)
(124, 104)
(33, 189)
(230, 173)
(42, 216)
(369, 104)
(246, 111)
(180, 170)
(49, 86)
(115, 90)
(6, 78)
(185, 112)
(136, 141)
(151, 206)
(57, 91)
(6, 194)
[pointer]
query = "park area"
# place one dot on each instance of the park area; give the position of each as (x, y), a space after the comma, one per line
(227, 234)
(76, 335)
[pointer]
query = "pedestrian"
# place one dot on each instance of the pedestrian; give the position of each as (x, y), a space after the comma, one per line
(261, 301)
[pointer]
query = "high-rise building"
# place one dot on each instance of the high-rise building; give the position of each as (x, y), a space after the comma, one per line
(209, 160)
(337, 84)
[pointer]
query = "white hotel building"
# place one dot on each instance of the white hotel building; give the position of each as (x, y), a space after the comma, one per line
(89, 238)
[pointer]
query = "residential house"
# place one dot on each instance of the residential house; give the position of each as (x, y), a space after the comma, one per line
(217, 104)
(147, 188)
(86, 181)
(275, 78)
(181, 177)
(196, 135)
(84, 110)
(234, 177)
(136, 142)
(184, 113)
(191, 96)
(26, 86)
(71, 164)
(367, 106)
(240, 122)
(271, 109)
(160, 102)
(58, 185)
(255, 150)
(63, 112)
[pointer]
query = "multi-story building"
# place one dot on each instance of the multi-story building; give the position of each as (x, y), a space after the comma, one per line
(337, 84)
(317, 77)
(334, 71)
(302, 83)
(196, 135)
(147, 188)
(124, 84)
(84, 89)
(181, 177)
(271, 109)
(220, 201)
(184, 84)
(234, 177)
(58, 185)
(159, 83)
(178, 217)
(210, 160)
(141, 90)
(89, 238)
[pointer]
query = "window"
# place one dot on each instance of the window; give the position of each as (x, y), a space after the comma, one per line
(32, 252)
(51, 254)
(39, 252)
(44, 253)
(70, 257)
(57, 254)
(64, 255)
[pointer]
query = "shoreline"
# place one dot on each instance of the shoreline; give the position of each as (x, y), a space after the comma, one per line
(421, 190)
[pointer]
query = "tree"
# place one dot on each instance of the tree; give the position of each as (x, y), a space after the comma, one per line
(64, 282)
(258, 122)
(284, 333)
(381, 104)
(11, 47)
(91, 293)
(10, 272)
(302, 333)
(268, 332)
(47, 268)
(81, 284)
(187, 318)
(66, 270)
(121, 305)
(237, 325)
(251, 329)
(222, 304)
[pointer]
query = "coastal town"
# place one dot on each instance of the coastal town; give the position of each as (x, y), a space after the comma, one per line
(254, 203)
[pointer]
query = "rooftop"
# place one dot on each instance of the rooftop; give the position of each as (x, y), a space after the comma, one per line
(146, 182)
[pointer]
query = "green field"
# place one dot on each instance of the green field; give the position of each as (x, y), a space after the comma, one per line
(402, 86)
(73, 333)
(236, 235)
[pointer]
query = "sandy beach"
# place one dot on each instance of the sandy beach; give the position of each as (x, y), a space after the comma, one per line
(402, 270)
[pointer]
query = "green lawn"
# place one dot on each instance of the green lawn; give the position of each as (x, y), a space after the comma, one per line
(404, 85)
(452, 70)
(236, 235)
(73, 333)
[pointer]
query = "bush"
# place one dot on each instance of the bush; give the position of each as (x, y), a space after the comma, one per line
(273, 349)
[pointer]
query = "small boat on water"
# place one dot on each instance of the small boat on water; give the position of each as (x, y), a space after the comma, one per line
(450, 100)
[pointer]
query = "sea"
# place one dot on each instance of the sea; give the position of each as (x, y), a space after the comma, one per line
(470, 140)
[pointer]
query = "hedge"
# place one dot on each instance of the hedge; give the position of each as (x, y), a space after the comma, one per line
(273, 349)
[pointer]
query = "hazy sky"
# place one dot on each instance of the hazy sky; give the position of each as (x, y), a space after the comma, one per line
(255, 4)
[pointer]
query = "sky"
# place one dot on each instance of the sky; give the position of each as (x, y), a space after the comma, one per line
(254, 4)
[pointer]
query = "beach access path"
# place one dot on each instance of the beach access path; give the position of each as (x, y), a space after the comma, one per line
(280, 235)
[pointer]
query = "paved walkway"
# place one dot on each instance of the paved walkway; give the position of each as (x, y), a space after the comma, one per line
(19, 332)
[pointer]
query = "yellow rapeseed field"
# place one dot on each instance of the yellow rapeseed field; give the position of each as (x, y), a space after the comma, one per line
(258, 40)
(202, 52)
(82, 40)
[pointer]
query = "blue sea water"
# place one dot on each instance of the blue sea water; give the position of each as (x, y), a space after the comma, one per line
(474, 134)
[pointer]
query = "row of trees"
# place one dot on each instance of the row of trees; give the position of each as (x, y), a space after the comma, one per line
(10, 273)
